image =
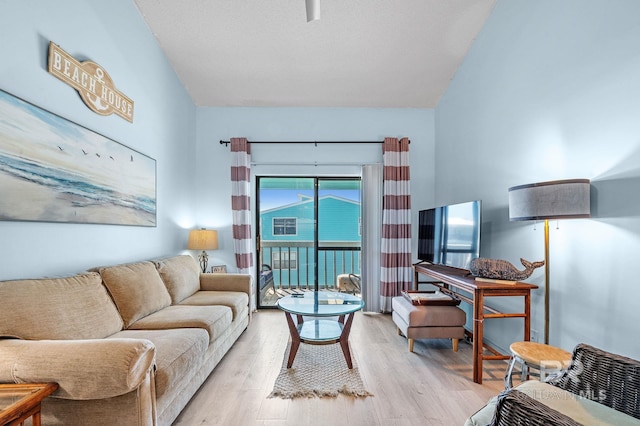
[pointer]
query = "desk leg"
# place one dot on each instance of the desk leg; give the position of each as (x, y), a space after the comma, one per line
(478, 318)
(527, 317)
(295, 339)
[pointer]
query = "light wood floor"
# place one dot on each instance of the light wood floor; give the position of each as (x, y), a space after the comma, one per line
(432, 386)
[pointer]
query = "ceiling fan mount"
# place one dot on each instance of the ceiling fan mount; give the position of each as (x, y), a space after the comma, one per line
(313, 10)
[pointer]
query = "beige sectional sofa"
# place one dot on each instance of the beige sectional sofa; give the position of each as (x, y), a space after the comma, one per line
(127, 344)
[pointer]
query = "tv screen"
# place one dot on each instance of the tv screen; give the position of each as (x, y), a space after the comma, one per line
(450, 235)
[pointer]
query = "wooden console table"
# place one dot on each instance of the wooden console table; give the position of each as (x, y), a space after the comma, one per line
(462, 279)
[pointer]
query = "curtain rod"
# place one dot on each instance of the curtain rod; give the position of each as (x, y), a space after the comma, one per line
(315, 163)
(226, 143)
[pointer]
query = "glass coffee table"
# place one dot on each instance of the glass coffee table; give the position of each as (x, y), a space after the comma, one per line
(319, 328)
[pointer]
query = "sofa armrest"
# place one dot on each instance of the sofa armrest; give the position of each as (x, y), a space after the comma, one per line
(226, 282)
(514, 407)
(83, 369)
(610, 379)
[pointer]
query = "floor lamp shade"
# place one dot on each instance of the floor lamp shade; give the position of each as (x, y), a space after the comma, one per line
(558, 199)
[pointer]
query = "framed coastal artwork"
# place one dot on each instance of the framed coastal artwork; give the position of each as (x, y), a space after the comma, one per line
(53, 170)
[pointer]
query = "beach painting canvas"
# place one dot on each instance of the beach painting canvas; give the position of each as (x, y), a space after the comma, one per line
(53, 170)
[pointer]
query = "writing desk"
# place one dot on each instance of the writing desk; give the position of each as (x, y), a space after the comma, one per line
(477, 291)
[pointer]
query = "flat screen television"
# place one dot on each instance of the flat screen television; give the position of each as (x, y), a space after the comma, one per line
(450, 235)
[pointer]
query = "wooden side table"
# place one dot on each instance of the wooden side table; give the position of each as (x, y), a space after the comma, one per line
(18, 402)
(547, 359)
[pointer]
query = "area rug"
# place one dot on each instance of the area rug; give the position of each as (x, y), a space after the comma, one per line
(318, 371)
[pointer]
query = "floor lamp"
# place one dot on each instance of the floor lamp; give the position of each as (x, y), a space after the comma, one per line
(559, 199)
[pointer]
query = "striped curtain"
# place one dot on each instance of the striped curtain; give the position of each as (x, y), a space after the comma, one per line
(396, 271)
(241, 204)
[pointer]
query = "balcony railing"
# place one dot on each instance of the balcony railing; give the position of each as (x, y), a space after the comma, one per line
(292, 263)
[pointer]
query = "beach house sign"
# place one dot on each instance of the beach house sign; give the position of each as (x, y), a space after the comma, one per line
(92, 83)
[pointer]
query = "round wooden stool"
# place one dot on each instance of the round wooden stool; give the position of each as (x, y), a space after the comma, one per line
(548, 360)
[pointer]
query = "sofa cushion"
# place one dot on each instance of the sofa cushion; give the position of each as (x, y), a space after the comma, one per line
(181, 276)
(179, 354)
(76, 307)
(235, 300)
(137, 290)
(214, 319)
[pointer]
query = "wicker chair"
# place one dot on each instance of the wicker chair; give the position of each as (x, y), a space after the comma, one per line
(518, 408)
(600, 376)
(609, 379)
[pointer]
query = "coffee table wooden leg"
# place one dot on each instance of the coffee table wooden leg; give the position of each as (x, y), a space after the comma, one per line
(295, 339)
(344, 340)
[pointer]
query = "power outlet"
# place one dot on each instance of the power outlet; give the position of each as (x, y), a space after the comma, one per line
(534, 335)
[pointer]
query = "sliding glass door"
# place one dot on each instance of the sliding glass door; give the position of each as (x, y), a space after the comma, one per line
(309, 235)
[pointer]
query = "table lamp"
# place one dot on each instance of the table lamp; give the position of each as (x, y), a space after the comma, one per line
(559, 199)
(203, 239)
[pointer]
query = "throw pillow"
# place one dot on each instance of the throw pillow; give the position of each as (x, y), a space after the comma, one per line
(136, 289)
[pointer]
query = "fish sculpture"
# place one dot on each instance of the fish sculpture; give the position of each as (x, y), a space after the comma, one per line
(501, 269)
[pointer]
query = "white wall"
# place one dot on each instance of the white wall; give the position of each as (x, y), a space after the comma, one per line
(303, 124)
(114, 35)
(550, 90)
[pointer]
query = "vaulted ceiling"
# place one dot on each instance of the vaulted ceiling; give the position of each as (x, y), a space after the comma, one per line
(361, 53)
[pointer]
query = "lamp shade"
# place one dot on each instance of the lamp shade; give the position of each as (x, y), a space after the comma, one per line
(558, 199)
(203, 239)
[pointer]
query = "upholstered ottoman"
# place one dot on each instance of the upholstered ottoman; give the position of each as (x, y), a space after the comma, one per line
(428, 321)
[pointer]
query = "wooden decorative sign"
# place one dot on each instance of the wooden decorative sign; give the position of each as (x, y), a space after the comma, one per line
(92, 83)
